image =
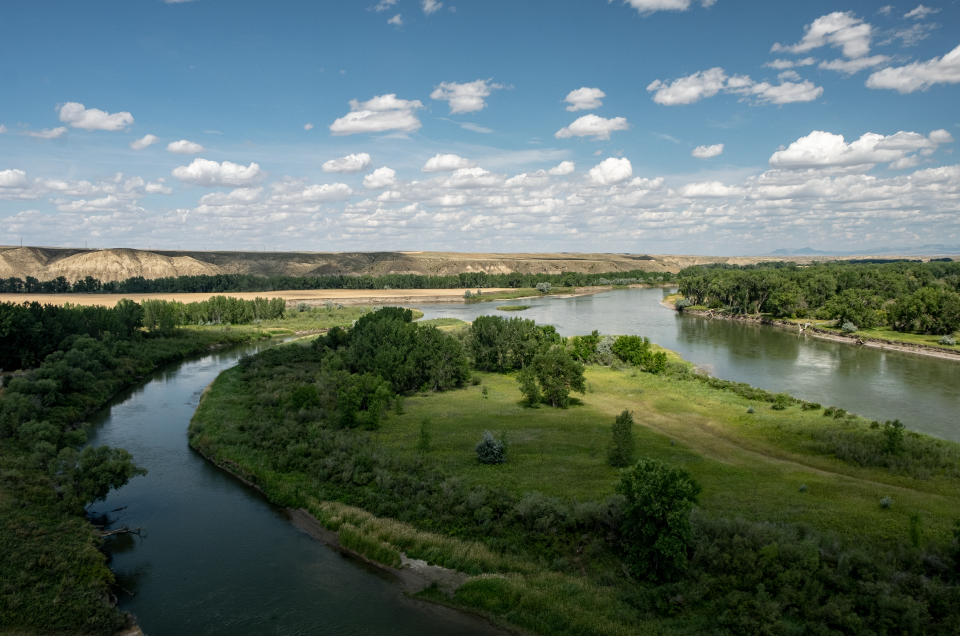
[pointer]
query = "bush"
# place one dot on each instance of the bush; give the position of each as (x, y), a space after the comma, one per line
(886, 502)
(622, 445)
(848, 327)
(550, 377)
(467, 294)
(655, 531)
(682, 304)
(543, 288)
(947, 340)
(490, 450)
(638, 351)
(781, 401)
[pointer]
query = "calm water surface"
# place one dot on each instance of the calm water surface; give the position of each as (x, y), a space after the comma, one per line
(922, 392)
(218, 558)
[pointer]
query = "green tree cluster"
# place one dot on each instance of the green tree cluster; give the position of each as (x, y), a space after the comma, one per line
(638, 351)
(501, 344)
(550, 377)
(164, 315)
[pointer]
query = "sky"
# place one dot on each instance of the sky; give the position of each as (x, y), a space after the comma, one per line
(714, 127)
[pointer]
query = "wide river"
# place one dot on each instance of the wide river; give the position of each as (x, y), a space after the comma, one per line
(217, 558)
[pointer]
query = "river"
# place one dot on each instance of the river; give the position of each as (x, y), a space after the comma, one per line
(217, 558)
(922, 391)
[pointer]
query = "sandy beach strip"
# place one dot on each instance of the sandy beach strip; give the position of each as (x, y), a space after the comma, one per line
(309, 296)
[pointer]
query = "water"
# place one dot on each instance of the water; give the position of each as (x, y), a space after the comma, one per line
(217, 558)
(921, 391)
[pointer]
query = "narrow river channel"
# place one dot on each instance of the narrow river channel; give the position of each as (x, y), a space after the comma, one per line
(923, 392)
(217, 557)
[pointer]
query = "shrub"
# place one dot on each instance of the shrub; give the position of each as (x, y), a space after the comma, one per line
(655, 530)
(781, 401)
(848, 327)
(947, 340)
(550, 377)
(302, 307)
(328, 305)
(886, 502)
(467, 294)
(682, 304)
(893, 432)
(638, 351)
(543, 288)
(490, 450)
(622, 445)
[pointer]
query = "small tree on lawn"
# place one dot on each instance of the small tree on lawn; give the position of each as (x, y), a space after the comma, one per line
(621, 449)
(552, 374)
(655, 532)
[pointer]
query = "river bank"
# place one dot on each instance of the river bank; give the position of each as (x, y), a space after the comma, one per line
(857, 339)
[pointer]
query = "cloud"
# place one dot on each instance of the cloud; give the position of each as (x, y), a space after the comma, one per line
(46, 133)
(707, 152)
(464, 98)
(646, 7)
(157, 187)
(584, 99)
(380, 178)
(855, 65)
(295, 192)
(592, 126)
(396, 20)
(782, 64)
(475, 127)
(565, 167)
(823, 150)
(907, 162)
(380, 114)
(211, 174)
(920, 12)
(919, 75)
(3, 129)
(885, 10)
(431, 6)
(349, 164)
(239, 195)
(383, 5)
(77, 116)
(10, 179)
(709, 190)
(789, 75)
(308, 126)
(184, 147)
(610, 171)
(693, 88)
(690, 89)
(146, 140)
(446, 163)
(839, 29)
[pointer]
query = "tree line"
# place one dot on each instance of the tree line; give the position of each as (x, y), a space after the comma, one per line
(233, 283)
(906, 296)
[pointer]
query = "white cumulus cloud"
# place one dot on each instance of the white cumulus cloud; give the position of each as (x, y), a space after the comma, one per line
(919, 75)
(431, 6)
(822, 150)
(584, 99)
(840, 29)
(446, 163)
(3, 129)
(565, 167)
(610, 171)
(464, 98)
(308, 126)
(706, 152)
(855, 65)
(380, 114)
(693, 88)
(184, 147)
(396, 20)
(383, 5)
(146, 140)
(78, 116)
(290, 193)
(204, 172)
(592, 126)
(782, 64)
(349, 164)
(646, 7)
(380, 178)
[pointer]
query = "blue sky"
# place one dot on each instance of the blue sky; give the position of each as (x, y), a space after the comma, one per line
(662, 126)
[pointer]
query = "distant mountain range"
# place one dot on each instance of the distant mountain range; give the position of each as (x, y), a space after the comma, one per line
(922, 250)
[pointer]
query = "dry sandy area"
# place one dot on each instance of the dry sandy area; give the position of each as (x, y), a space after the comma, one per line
(310, 296)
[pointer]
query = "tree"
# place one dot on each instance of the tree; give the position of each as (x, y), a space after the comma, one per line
(87, 476)
(490, 450)
(552, 374)
(655, 531)
(622, 445)
(638, 351)
(543, 288)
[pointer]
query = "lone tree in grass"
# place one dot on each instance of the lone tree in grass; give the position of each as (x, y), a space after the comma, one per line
(621, 449)
(490, 450)
(655, 531)
(550, 377)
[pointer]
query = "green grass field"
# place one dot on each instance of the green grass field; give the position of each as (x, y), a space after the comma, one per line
(751, 465)
(513, 307)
